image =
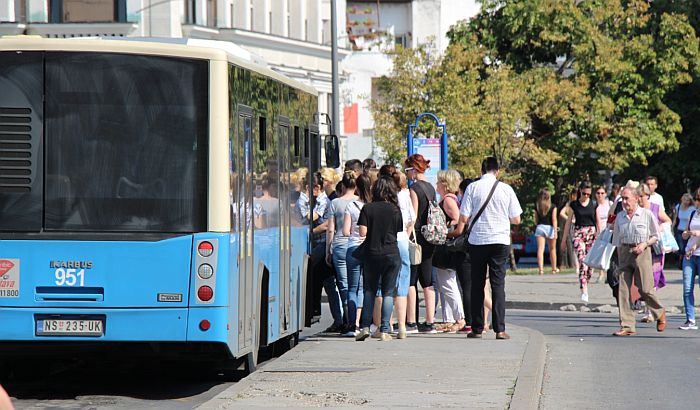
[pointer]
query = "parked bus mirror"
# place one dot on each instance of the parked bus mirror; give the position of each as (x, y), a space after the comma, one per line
(332, 151)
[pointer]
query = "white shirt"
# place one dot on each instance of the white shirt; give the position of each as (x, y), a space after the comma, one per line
(407, 213)
(493, 226)
(657, 199)
(694, 225)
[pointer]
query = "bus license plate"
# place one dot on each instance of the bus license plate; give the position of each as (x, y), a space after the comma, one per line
(69, 327)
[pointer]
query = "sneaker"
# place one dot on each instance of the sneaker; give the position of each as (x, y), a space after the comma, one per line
(362, 335)
(411, 328)
(401, 334)
(688, 326)
(584, 297)
(384, 337)
(465, 329)
(349, 331)
(373, 329)
(334, 329)
(427, 328)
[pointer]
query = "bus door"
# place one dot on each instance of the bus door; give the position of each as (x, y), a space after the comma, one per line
(284, 145)
(246, 285)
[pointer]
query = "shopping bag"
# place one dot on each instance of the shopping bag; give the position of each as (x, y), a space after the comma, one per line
(668, 242)
(415, 252)
(601, 251)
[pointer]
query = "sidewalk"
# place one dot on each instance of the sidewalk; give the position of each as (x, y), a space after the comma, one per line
(439, 370)
(551, 292)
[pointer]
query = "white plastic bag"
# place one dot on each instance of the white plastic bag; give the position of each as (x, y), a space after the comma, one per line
(601, 251)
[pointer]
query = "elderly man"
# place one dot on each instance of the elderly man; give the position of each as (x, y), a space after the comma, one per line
(634, 233)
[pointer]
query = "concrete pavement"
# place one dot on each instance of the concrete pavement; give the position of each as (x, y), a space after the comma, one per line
(551, 292)
(438, 370)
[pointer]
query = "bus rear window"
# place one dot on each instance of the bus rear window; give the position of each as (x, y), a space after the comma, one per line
(126, 143)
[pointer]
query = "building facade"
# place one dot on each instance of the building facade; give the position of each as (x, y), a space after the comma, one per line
(292, 36)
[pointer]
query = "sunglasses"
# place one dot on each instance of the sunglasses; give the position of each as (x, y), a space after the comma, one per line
(585, 194)
(600, 193)
(697, 198)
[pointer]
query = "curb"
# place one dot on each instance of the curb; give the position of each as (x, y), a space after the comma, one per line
(528, 385)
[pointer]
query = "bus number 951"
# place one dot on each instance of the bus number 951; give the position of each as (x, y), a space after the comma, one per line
(70, 277)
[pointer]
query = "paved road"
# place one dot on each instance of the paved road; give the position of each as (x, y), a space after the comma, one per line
(587, 368)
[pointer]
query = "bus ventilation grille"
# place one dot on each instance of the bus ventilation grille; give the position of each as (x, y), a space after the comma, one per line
(15, 149)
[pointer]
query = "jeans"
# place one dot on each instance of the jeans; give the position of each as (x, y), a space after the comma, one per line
(318, 256)
(380, 271)
(404, 279)
(339, 250)
(355, 292)
(691, 268)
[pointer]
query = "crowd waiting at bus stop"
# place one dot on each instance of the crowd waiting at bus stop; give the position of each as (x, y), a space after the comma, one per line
(380, 232)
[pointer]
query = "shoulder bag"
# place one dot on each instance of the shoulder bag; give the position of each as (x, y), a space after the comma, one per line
(415, 252)
(461, 242)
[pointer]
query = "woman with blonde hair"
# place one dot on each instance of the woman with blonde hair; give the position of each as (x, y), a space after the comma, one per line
(546, 230)
(330, 180)
(445, 262)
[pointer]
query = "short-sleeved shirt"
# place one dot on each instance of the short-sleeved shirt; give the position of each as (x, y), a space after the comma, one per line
(585, 215)
(383, 221)
(694, 225)
(493, 226)
(682, 215)
(602, 211)
(657, 199)
(353, 210)
(637, 229)
(336, 210)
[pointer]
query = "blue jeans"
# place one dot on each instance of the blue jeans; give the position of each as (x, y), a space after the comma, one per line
(691, 268)
(404, 280)
(318, 256)
(355, 292)
(340, 250)
(381, 272)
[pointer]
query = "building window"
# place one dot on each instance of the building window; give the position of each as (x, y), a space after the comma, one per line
(190, 11)
(87, 11)
(211, 13)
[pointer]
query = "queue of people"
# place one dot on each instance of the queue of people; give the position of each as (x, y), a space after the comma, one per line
(381, 233)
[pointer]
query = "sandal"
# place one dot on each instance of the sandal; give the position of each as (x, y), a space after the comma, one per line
(541, 271)
(456, 326)
(555, 270)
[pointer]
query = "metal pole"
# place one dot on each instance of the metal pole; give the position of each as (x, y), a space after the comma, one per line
(335, 126)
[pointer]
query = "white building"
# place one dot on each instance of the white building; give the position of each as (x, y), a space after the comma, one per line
(292, 36)
(373, 27)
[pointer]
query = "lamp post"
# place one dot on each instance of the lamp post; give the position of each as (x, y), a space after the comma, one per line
(335, 115)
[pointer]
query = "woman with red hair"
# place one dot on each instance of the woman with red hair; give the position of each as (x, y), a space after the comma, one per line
(421, 193)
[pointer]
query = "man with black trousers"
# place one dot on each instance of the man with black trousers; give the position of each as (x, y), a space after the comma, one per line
(491, 207)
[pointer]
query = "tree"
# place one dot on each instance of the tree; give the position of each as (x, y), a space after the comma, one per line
(604, 69)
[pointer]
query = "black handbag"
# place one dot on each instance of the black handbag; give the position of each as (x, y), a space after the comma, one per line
(461, 243)
(360, 253)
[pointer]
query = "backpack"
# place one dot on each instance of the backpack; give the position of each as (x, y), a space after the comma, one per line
(435, 229)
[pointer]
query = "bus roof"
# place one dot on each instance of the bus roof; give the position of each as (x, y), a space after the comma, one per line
(178, 47)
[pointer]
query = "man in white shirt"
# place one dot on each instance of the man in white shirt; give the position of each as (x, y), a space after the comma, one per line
(489, 243)
(655, 197)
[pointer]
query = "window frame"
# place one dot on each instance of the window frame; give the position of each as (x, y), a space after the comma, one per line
(56, 12)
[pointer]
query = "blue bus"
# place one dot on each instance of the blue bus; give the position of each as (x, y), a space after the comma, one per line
(146, 196)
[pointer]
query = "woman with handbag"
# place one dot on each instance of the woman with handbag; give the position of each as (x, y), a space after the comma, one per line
(354, 265)
(445, 261)
(421, 193)
(378, 223)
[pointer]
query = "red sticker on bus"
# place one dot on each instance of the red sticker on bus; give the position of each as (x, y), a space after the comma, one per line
(5, 266)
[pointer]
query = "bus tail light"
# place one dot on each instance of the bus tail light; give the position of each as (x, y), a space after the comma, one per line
(205, 293)
(205, 249)
(205, 271)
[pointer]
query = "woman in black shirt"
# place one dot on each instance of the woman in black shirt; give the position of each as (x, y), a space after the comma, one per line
(585, 221)
(379, 222)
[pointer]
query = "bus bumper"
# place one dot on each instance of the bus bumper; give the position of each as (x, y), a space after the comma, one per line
(121, 325)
